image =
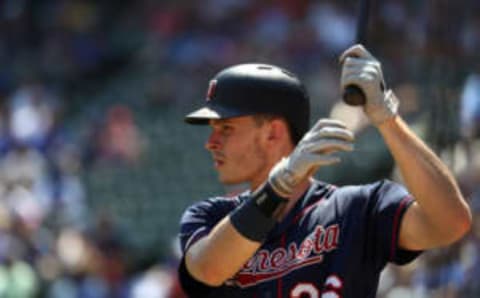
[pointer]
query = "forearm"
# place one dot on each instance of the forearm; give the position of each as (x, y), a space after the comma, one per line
(220, 255)
(445, 213)
(440, 214)
(234, 240)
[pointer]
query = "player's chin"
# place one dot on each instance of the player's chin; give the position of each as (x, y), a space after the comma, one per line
(227, 179)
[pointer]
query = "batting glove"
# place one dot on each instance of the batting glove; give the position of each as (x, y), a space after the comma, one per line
(316, 149)
(363, 70)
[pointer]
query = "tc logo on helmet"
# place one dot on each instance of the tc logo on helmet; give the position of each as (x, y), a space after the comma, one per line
(211, 89)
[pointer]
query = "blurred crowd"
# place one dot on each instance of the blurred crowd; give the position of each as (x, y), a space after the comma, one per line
(57, 54)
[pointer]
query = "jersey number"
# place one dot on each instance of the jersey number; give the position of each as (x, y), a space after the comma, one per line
(333, 285)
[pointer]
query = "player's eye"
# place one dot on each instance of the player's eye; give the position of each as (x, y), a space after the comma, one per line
(226, 129)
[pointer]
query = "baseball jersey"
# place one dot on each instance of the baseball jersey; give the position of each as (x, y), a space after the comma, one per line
(333, 243)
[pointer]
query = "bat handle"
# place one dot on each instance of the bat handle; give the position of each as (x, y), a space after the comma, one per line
(352, 95)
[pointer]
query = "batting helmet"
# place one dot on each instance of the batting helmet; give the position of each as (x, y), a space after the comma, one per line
(249, 89)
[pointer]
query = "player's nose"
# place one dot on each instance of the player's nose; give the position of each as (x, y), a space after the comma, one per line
(213, 141)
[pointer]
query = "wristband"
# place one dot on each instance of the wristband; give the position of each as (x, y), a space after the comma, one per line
(254, 218)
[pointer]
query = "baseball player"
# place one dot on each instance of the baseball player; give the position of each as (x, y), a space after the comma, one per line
(292, 236)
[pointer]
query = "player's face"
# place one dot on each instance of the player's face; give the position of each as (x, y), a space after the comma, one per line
(238, 151)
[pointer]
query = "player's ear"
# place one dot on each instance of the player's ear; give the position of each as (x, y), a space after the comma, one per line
(278, 130)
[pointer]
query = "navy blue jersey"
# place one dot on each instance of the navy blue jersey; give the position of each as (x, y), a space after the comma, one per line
(333, 243)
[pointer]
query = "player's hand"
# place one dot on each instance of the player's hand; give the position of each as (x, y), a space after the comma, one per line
(317, 148)
(361, 69)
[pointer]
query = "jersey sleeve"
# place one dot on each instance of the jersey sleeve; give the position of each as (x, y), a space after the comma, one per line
(389, 201)
(199, 219)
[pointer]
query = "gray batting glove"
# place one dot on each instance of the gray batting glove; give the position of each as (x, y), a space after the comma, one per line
(316, 149)
(363, 70)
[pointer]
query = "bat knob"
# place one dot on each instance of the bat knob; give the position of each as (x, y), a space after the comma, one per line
(352, 95)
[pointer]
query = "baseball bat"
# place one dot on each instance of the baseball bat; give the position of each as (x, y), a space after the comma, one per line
(353, 95)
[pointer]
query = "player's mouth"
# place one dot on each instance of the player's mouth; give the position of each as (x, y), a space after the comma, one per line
(218, 161)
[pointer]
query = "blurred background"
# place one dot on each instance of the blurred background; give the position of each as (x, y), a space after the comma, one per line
(97, 166)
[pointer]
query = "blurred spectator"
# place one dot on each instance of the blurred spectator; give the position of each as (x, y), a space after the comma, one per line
(21, 171)
(80, 262)
(470, 112)
(120, 140)
(32, 114)
(62, 193)
(335, 27)
(18, 279)
(111, 253)
(157, 282)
